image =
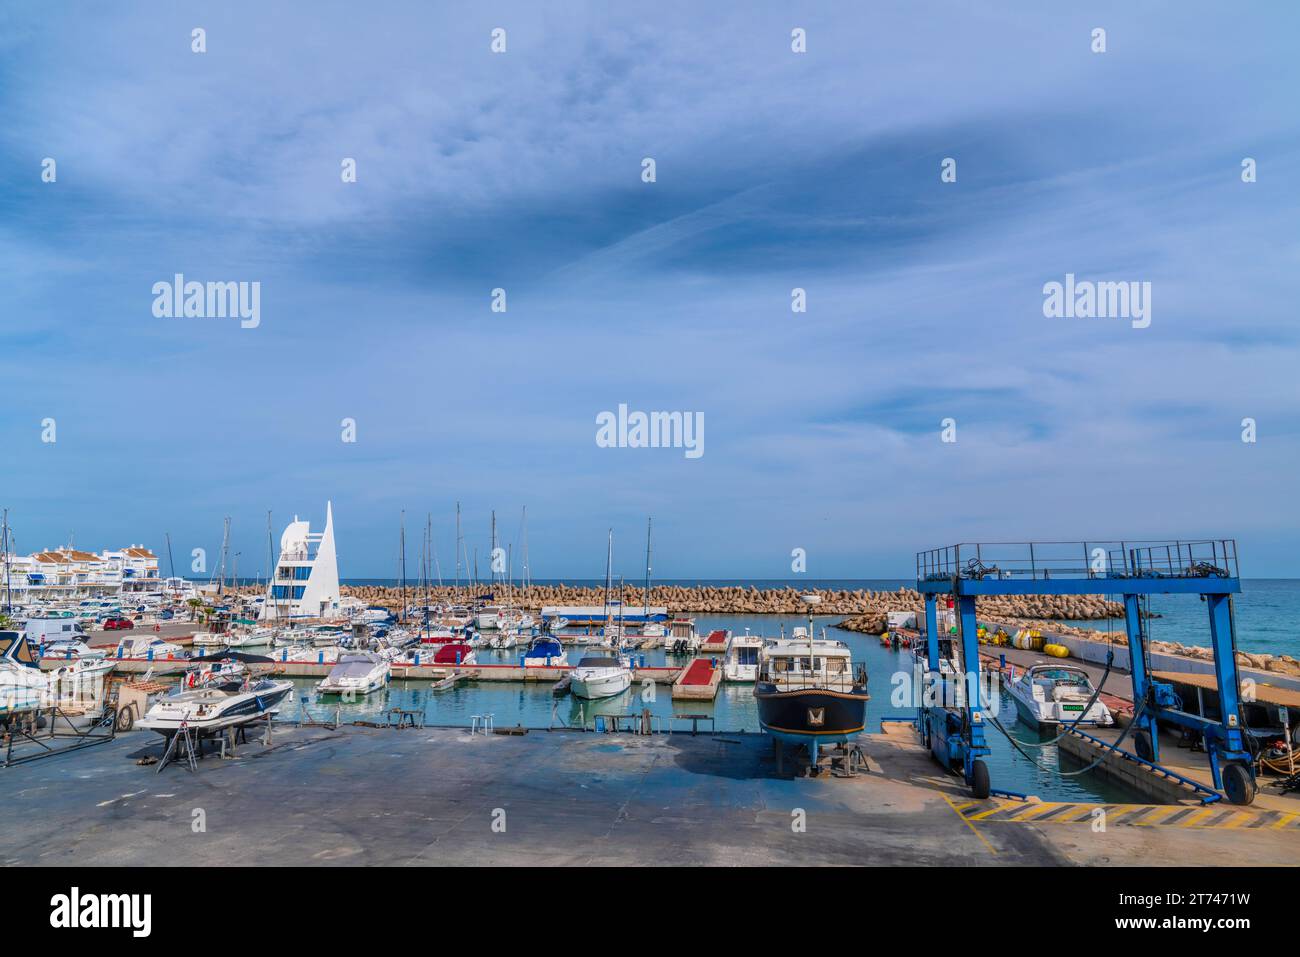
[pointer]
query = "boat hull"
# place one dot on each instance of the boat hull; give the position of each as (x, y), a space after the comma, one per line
(599, 685)
(810, 714)
(256, 705)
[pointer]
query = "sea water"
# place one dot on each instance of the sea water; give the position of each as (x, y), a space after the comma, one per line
(532, 705)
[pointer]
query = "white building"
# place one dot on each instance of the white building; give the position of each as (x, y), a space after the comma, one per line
(139, 568)
(306, 582)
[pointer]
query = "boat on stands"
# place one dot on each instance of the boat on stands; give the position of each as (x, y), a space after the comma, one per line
(210, 709)
(807, 690)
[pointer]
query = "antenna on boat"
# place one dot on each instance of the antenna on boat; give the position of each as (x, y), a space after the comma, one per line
(811, 601)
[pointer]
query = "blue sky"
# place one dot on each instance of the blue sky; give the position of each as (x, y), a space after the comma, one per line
(774, 171)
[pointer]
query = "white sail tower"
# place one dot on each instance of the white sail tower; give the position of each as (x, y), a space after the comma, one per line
(306, 580)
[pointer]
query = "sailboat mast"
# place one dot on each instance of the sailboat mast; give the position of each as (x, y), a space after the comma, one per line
(433, 549)
(492, 555)
(609, 572)
(459, 545)
(4, 544)
(528, 581)
(402, 560)
(647, 570)
(225, 547)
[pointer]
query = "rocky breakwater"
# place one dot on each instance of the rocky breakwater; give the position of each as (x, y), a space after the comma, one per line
(744, 600)
(1012, 608)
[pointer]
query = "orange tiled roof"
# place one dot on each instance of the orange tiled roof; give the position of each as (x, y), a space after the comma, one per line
(138, 553)
(75, 556)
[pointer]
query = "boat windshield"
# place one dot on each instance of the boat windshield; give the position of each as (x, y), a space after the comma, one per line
(1063, 676)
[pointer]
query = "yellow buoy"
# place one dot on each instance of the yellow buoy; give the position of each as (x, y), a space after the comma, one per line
(1056, 651)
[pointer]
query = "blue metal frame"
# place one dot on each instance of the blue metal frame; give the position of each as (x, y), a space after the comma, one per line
(1208, 568)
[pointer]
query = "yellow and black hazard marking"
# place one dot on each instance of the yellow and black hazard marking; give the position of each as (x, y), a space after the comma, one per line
(1138, 815)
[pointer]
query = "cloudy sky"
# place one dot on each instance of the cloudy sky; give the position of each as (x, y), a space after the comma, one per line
(775, 170)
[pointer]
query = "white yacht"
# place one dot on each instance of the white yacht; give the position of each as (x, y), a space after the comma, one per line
(741, 662)
(601, 677)
(24, 687)
(357, 674)
(1049, 694)
(253, 638)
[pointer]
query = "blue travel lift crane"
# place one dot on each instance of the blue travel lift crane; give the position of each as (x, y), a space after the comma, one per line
(953, 727)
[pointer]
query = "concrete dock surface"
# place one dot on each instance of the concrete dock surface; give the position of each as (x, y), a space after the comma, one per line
(372, 796)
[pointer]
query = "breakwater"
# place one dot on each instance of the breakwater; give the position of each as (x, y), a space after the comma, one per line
(738, 600)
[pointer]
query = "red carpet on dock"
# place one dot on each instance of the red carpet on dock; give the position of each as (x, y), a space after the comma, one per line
(699, 673)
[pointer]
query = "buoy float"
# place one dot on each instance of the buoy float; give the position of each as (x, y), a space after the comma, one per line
(1056, 651)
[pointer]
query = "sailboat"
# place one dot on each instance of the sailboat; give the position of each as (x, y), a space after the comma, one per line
(649, 629)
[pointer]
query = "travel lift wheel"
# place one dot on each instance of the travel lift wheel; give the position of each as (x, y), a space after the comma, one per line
(979, 779)
(1238, 783)
(1142, 745)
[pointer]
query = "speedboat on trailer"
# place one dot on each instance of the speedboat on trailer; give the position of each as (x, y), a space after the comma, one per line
(1057, 694)
(208, 710)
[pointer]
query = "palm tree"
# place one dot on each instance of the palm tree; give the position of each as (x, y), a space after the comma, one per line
(195, 604)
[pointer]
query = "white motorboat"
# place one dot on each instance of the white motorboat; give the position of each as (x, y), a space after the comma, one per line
(24, 687)
(741, 662)
(1048, 694)
(223, 675)
(310, 653)
(601, 677)
(210, 639)
(357, 674)
(145, 646)
(206, 710)
(71, 648)
(255, 638)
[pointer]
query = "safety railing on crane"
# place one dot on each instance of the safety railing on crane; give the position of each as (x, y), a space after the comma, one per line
(1043, 561)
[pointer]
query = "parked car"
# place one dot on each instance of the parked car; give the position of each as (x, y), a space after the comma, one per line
(117, 623)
